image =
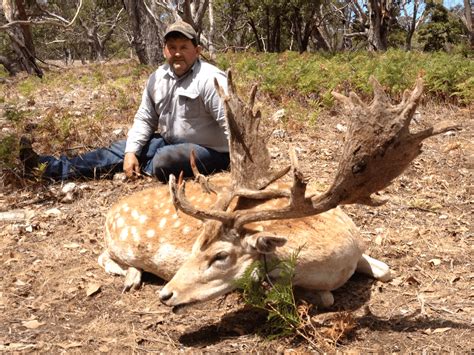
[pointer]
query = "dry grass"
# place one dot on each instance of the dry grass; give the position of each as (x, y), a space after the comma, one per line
(424, 233)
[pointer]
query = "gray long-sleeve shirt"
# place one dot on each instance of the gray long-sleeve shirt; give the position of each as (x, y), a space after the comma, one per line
(183, 109)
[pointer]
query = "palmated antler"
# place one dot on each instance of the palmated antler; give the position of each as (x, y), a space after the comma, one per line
(249, 156)
(378, 147)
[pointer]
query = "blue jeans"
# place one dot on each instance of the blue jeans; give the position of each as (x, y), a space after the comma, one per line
(158, 158)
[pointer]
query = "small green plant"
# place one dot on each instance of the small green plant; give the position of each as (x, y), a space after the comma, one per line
(14, 115)
(8, 151)
(28, 86)
(275, 297)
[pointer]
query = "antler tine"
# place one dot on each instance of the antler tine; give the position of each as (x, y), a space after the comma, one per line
(380, 97)
(298, 206)
(181, 203)
(253, 93)
(202, 180)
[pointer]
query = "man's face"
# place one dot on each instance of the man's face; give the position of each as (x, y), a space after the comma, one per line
(181, 54)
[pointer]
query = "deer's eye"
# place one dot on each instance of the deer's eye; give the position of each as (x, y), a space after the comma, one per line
(219, 257)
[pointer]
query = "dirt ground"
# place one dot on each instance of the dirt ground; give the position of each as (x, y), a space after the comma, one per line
(55, 298)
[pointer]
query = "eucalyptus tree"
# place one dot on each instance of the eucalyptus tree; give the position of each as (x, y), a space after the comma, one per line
(441, 29)
(148, 20)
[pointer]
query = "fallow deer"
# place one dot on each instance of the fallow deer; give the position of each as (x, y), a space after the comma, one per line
(211, 239)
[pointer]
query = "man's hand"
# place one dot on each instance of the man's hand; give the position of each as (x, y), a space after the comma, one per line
(131, 165)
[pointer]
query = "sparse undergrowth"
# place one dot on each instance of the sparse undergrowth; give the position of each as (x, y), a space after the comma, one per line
(75, 109)
(424, 233)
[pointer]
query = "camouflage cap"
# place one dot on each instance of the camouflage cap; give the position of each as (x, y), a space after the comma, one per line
(182, 27)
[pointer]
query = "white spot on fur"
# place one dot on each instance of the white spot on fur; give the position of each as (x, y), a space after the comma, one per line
(207, 201)
(125, 208)
(135, 234)
(186, 229)
(120, 222)
(259, 228)
(169, 254)
(162, 223)
(135, 214)
(124, 234)
(150, 233)
(142, 218)
(167, 211)
(175, 216)
(176, 224)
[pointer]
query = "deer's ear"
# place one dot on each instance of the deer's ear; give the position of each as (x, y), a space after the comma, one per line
(264, 243)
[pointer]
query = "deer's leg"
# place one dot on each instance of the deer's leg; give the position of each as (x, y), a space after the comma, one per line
(375, 268)
(133, 276)
(325, 299)
(133, 279)
(110, 266)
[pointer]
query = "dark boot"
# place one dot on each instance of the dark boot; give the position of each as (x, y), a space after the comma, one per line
(28, 156)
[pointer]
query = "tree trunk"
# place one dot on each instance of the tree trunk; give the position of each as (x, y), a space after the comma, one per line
(212, 49)
(258, 41)
(469, 13)
(380, 16)
(20, 37)
(147, 36)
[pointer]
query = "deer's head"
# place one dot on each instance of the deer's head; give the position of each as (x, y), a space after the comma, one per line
(220, 256)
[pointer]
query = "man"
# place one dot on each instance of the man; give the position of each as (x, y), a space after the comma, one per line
(179, 100)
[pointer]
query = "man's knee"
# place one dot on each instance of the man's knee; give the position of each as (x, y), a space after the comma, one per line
(170, 163)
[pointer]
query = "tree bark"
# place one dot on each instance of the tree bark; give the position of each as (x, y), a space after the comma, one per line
(147, 36)
(212, 49)
(469, 13)
(20, 37)
(380, 16)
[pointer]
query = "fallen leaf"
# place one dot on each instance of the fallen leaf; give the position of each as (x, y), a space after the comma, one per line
(412, 280)
(16, 347)
(71, 246)
(104, 349)
(20, 283)
(32, 324)
(397, 281)
(378, 240)
(92, 289)
(70, 345)
(441, 330)
(52, 212)
(435, 262)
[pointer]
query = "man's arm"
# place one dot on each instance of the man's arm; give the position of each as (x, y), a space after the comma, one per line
(213, 102)
(144, 125)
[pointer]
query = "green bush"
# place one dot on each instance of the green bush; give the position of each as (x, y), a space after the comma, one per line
(275, 297)
(312, 76)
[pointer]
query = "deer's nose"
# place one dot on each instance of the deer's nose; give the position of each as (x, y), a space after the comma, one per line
(165, 295)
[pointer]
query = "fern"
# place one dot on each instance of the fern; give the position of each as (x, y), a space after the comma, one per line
(274, 296)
